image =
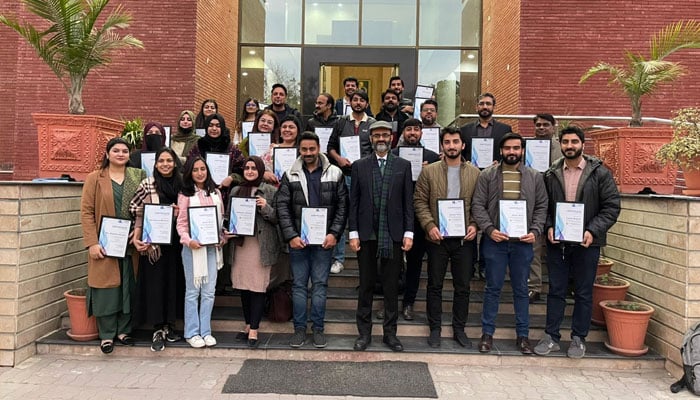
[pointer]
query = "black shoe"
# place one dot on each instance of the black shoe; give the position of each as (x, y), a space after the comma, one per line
(434, 338)
(170, 335)
(361, 343)
(393, 343)
(408, 312)
(461, 338)
(486, 343)
(126, 340)
(533, 296)
(523, 344)
(253, 343)
(242, 336)
(107, 346)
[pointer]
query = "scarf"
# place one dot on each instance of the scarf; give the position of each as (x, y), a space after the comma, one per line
(381, 198)
(199, 256)
(208, 144)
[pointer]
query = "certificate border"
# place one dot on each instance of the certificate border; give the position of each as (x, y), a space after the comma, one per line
(301, 220)
(230, 208)
(170, 227)
(250, 141)
(126, 245)
(189, 223)
(466, 223)
(154, 162)
(556, 205)
(228, 155)
(422, 157)
(274, 157)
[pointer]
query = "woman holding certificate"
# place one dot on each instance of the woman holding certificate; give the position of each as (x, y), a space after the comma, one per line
(266, 122)
(184, 137)
(251, 109)
(198, 223)
(225, 160)
(276, 162)
(253, 255)
(155, 208)
(105, 219)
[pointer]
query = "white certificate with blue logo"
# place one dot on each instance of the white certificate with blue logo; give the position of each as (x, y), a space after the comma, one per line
(414, 155)
(282, 159)
(218, 164)
(258, 143)
(451, 219)
(482, 152)
(350, 147)
(513, 218)
(157, 223)
(148, 162)
(323, 133)
(537, 154)
(313, 225)
(204, 224)
(114, 236)
(241, 219)
(431, 139)
(246, 128)
(568, 225)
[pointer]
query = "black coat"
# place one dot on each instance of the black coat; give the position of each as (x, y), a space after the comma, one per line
(497, 132)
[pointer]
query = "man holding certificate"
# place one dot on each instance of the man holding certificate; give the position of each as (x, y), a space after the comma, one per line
(443, 200)
(312, 206)
(381, 227)
(510, 207)
(584, 204)
(350, 138)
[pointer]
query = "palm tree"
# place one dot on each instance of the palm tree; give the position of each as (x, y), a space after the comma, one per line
(73, 44)
(641, 76)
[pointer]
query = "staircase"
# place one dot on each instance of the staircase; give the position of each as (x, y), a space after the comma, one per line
(341, 331)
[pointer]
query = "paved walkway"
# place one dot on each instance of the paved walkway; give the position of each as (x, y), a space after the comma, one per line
(83, 377)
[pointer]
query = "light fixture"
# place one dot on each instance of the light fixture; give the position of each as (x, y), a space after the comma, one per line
(251, 52)
(244, 74)
(470, 56)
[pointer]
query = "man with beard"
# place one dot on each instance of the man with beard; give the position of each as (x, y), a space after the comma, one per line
(581, 179)
(381, 227)
(414, 258)
(428, 118)
(451, 178)
(391, 114)
(485, 127)
(355, 124)
(342, 105)
(405, 104)
(324, 115)
(279, 104)
(508, 180)
(311, 182)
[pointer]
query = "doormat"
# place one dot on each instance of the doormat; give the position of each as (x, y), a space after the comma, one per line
(336, 378)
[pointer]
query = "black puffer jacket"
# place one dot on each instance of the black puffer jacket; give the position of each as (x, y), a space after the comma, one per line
(292, 195)
(596, 190)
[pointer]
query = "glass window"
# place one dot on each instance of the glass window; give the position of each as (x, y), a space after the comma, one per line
(332, 22)
(389, 22)
(280, 19)
(262, 67)
(455, 75)
(449, 22)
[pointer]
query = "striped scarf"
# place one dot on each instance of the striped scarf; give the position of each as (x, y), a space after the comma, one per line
(381, 198)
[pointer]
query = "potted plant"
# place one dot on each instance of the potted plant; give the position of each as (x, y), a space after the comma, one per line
(604, 266)
(627, 323)
(133, 132)
(606, 287)
(82, 327)
(72, 43)
(684, 148)
(630, 152)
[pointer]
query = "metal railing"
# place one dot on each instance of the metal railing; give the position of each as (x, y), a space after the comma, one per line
(567, 118)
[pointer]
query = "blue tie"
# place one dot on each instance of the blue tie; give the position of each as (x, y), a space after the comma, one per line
(382, 163)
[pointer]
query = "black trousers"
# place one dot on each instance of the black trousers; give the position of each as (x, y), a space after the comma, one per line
(414, 264)
(458, 254)
(387, 271)
(253, 307)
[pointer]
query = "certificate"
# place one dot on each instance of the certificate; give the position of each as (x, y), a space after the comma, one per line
(114, 236)
(204, 224)
(313, 225)
(258, 143)
(451, 219)
(350, 147)
(246, 128)
(431, 139)
(218, 164)
(167, 129)
(414, 155)
(323, 133)
(157, 223)
(424, 92)
(283, 159)
(568, 225)
(201, 132)
(482, 152)
(417, 104)
(513, 218)
(242, 216)
(148, 162)
(537, 154)
(348, 109)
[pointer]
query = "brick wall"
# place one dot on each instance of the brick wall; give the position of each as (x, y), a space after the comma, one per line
(41, 256)
(656, 246)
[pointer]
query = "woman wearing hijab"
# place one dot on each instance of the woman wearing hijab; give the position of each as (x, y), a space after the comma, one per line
(153, 140)
(184, 137)
(216, 141)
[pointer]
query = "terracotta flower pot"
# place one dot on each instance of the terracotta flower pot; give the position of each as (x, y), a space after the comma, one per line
(692, 181)
(604, 266)
(82, 327)
(615, 289)
(626, 328)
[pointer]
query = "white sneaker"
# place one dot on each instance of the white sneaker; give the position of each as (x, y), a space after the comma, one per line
(196, 341)
(209, 341)
(336, 267)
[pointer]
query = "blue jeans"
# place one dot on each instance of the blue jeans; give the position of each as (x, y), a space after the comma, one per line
(516, 256)
(310, 262)
(339, 249)
(199, 302)
(580, 263)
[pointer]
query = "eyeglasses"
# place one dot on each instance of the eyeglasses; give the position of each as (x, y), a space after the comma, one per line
(251, 105)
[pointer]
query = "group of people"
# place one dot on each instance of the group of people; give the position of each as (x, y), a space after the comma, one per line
(374, 202)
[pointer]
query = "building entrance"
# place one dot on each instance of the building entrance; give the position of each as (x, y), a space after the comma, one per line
(373, 79)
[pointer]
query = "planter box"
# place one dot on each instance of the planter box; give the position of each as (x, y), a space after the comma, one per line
(630, 154)
(72, 144)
